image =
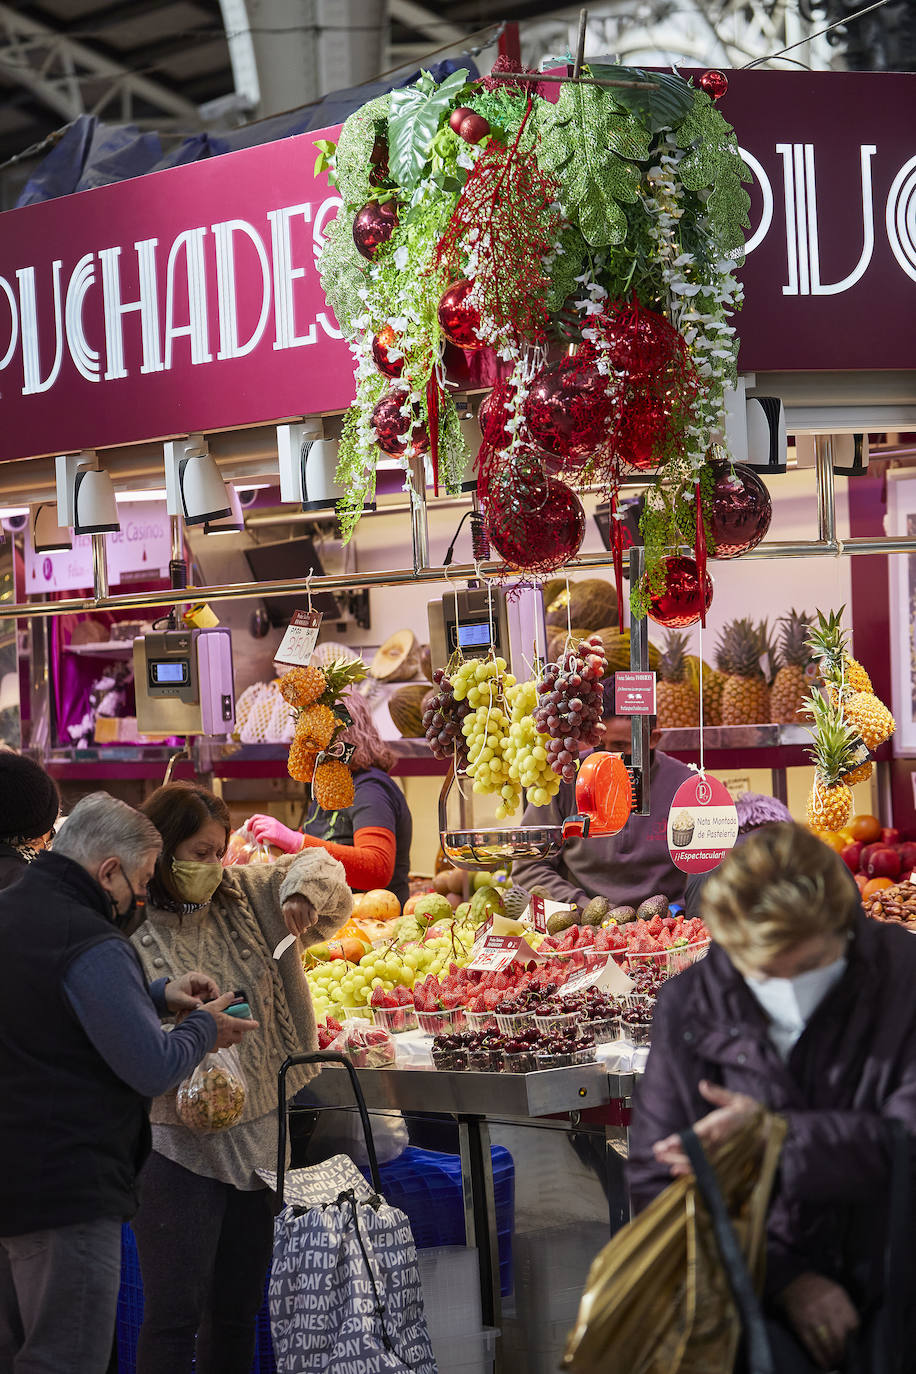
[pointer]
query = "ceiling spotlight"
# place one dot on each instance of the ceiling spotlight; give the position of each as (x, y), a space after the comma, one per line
(85, 495)
(308, 464)
(234, 522)
(194, 488)
(47, 535)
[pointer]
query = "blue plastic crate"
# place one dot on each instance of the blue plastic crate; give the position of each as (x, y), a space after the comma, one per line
(426, 1186)
(130, 1315)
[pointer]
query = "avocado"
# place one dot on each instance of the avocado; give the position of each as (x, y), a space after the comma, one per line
(620, 915)
(540, 891)
(596, 911)
(652, 906)
(560, 921)
(486, 902)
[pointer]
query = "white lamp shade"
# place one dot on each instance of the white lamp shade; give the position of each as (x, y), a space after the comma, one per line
(47, 535)
(849, 452)
(203, 492)
(234, 522)
(319, 465)
(95, 510)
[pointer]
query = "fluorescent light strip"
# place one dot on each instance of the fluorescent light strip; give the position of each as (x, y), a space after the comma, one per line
(153, 495)
(7, 512)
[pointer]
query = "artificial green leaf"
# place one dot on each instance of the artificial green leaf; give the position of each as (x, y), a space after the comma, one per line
(342, 271)
(591, 149)
(413, 122)
(661, 108)
(714, 163)
(569, 263)
(353, 165)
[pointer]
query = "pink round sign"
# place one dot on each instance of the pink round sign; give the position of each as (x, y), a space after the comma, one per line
(702, 824)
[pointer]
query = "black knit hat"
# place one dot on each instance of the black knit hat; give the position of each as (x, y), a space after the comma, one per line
(29, 800)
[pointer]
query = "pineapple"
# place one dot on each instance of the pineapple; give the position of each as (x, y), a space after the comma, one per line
(859, 774)
(842, 673)
(332, 785)
(834, 752)
(317, 725)
(713, 691)
(790, 686)
(871, 718)
(745, 697)
(302, 758)
(303, 686)
(677, 701)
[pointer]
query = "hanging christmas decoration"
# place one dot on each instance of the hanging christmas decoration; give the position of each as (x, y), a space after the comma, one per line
(682, 601)
(494, 416)
(374, 225)
(739, 510)
(535, 537)
(568, 408)
(395, 427)
(459, 318)
(383, 343)
(714, 83)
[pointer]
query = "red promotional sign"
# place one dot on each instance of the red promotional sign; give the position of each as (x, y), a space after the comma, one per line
(702, 824)
(188, 300)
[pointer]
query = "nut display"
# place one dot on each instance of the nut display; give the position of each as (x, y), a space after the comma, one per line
(212, 1098)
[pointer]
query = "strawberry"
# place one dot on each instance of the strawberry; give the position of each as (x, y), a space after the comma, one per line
(655, 927)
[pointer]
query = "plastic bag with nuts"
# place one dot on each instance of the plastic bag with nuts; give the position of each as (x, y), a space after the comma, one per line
(212, 1097)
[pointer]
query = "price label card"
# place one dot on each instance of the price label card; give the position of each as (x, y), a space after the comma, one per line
(608, 976)
(539, 912)
(702, 825)
(298, 644)
(497, 952)
(634, 694)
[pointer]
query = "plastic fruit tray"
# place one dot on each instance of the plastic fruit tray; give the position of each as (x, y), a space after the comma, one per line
(524, 1061)
(514, 1023)
(556, 1021)
(441, 1022)
(603, 1031)
(480, 1020)
(670, 961)
(396, 1019)
(561, 1061)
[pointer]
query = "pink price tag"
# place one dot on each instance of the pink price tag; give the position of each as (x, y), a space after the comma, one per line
(702, 824)
(537, 912)
(298, 644)
(497, 952)
(634, 694)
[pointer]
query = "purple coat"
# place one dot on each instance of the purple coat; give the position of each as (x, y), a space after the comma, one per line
(853, 1068)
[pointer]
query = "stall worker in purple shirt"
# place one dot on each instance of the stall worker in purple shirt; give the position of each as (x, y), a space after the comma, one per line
(625, 868)
(807, 1007)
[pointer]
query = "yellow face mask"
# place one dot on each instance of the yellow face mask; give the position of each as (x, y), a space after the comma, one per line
(195, 881)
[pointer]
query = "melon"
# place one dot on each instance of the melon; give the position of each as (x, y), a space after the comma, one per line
(377, 905)
(406, 709)
(592, 603)
(617, 647)
(398, 660)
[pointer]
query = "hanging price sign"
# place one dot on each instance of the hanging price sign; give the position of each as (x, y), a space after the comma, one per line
(497, 952)
(607, 975)
(298, 644)
(702, 824)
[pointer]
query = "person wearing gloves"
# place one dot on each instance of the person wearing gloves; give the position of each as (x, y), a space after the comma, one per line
(803, 1006)
(372, 837)
(81, 1053)
(628, 867)
(205, 1225)
(29, 807)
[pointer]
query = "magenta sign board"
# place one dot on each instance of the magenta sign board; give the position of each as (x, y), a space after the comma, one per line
(182, 301)
(189, 300)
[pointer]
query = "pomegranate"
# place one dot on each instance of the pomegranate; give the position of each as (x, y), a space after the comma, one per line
(884, 862)
(457, 118)
(866, 854)
(851, 855)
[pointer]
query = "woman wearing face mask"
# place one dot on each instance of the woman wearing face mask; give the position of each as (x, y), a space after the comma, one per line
(807, 1007)
(205, 1225)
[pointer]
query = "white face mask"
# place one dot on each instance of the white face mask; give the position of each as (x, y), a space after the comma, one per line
(791, 1002)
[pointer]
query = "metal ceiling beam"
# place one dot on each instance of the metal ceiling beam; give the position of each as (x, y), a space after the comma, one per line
(58, 69)
(422, 20)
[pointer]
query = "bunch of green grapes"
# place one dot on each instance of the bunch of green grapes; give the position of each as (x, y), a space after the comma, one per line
(483, 684)
(338, 986)
(526, 749)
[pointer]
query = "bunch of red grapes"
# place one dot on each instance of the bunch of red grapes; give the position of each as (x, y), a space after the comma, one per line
(442, 722)
(571, 705)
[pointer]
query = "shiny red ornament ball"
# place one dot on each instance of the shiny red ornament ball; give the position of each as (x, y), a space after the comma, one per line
(473, 128)
(642, 427)
(374, 224)
(457, 117)
(739, 513)
(384, 340)
(530, 535)
(394, 429)
(493, 415)
(568, 408)
(714, 83)
(679, 604)
(459, 318)
(378, 159)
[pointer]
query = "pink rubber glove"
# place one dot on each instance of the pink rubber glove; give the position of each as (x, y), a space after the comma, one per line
(267, 830)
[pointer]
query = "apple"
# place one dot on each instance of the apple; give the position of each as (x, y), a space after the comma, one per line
(890, 835)
(852, 855)
(907, 852)
(457, 118)
(866, 854)
(474, 128)
(883, 863)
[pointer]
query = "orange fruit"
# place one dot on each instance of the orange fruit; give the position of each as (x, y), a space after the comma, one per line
(875, 885)
(865, 828)
(832, 838)
(379, 905)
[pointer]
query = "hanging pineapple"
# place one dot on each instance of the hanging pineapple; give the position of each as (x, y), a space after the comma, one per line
(677, 702)
(745, 696)
(848, 683)
(332, 785)
(315, 697)
(834, 753)
(790, 686)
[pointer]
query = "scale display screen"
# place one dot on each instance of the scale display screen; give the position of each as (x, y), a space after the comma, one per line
(473, 636)
(169, 674)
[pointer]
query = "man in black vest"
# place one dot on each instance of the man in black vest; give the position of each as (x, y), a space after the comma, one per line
(81, 1052)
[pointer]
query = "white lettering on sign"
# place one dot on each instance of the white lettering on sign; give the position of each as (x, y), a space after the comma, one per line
(224, 234)
(115, 309)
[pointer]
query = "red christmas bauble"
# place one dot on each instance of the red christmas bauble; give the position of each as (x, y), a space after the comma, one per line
(714, 83)
(568, 407)
(535, 536)
(514, 485)
(679, 604)
(379, 161)
(642, 343)
(492, 416)
(739, 514)
(394, 429)
(374, 224)
(459, 318)
(383, 340)
(641, 429)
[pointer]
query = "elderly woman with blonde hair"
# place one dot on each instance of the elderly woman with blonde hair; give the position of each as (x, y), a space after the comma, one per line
(807, 1007)
(372, 837)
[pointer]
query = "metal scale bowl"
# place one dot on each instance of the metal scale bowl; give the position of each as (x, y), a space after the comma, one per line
(604, 796)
